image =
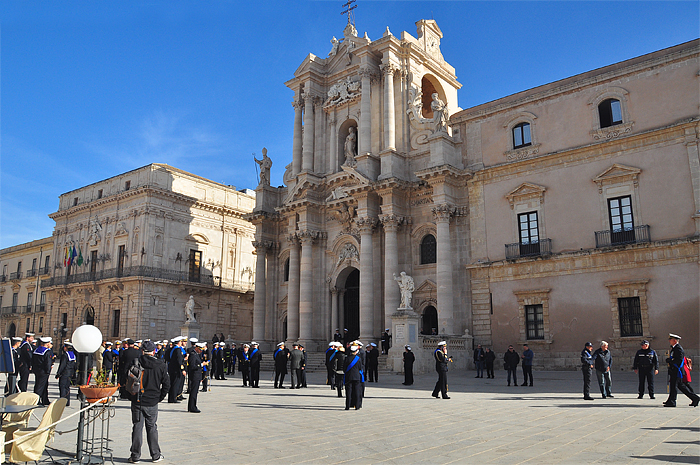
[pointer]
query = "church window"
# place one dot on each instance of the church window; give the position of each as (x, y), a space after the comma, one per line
(610, 112)
(286, 270)
(127, 185)
(99, 194)
(630, 316)
(428, 250)
(521, 135)
(75, 201)
(195, 262)
(116, 314)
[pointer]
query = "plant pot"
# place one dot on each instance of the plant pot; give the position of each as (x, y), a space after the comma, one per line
(93, 393)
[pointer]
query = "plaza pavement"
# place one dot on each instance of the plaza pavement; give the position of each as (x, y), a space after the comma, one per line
(484, 422)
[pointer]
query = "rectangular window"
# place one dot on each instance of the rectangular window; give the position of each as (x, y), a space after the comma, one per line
(120, 261)
(521, 135)
(127, 185)
(42, 302)
(30, 301)
(19, 268)
(41, 324)
(29, 320)
(534, 322)
(529, 231)
(93, 263)
(621, 220)
(34, 264)
(75, 201)
(46, 263)
(115, 322)
(99, 194)
(195, 262)
(630, 316)
(15, 302)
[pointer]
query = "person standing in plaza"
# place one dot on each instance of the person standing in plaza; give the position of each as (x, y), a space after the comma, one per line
(489, 360)
(303, 366)
(408, 359)
(646, 365)
(127, 357)
(42, 361)
(11, 384)
(66, 370)
(194, 373)
(441, 360)
(386, 341)
(676, 364)
(353, 369)
(587, 363)
(155, 385)
(296, 358)
(176, 369)
(603, 364)
(281, 355)
(26, 349)
(255, 358)
(338, 364)
(108, 360)
(244, 364)
(479, 361)
(527, 357)
(330, 354)
(511, 360)
(373, 363)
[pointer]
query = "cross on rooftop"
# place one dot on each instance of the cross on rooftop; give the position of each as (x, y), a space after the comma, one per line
(348, 9)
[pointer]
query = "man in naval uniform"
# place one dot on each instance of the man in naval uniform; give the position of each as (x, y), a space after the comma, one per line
(676, 364)
(330, 373)
(11, 385)
(42, 361)
(26, 349)
(176, 369)
(441, 360)
(194, 372)
(587, 362)
(255, 359)
(244, 364)
(353, 369)
(66, 370)
(281, 356)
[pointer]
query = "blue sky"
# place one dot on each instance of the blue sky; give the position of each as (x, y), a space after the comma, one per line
(89, 90)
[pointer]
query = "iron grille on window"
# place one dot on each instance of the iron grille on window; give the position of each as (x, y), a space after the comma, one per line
(630, 316)
(534, 321)
(428, 250)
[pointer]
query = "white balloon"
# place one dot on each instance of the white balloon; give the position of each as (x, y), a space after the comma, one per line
(86, 339)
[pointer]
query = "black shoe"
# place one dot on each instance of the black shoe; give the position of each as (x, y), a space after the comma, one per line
(347, 408)
(611, 396)
(133, 460)
(476, 376)
(435, 395)
(640, 396)
(694, 403)
(160, 458)
(524, 384)
(588, 398)
(652, 397)
(508, 384)
(603, 396)
(669, 405)
(203, 390)
(195, 411)
(446, 397)
(531, 385)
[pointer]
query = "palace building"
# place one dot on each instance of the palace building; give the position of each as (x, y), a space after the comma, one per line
(564, 213)
(127, 253)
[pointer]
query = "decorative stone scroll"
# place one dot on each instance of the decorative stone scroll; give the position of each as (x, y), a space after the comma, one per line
(348, 252)
(343, 92)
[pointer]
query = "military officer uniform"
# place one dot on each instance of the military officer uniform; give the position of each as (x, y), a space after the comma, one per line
(441, 360)
(354, 377)
(587, 370)
(194, 373)
(26, 350)
(42, 360)
(676, 363)
(66, 370)
(646, 364)
(255, 357)
(281, 355)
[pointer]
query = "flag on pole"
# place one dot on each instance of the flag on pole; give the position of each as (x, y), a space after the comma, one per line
(65, 259)
(80, 256)
(73, 255)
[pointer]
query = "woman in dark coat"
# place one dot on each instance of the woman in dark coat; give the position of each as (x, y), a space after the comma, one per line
(408, 359)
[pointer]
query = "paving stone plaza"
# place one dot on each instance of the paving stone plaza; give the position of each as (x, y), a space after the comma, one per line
(485, 421)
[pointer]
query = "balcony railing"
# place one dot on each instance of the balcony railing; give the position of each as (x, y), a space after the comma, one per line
(27, 308)
(31, 273)
(40, 308)
(533, 249)
(8, 310)
(3, 278)
(45, 270)
(636, 235)
(17, 275)
(132, 271)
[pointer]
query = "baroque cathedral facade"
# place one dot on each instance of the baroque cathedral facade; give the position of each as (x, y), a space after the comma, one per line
(564, 213)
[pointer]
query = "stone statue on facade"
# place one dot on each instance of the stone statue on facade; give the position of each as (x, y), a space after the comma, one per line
(406, 286)
(335, 45)
(265, 165)
(189, 311)
(95, 230)
(440, 114)
(350, 147)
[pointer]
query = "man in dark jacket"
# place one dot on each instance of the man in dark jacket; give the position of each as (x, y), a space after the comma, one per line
(296, 360)
(408, 359)
(489, 361)
(330, 354)
(176, 369)
(26, 349)
(42, 361)
(646, 365)
(676, 363)
(244, 364)
(255, 358)
(603, 363)
(587, 363)
(66, 370)
(338, 362)
(479, 355)
(373, 363)
(527, 357)
(108, 359)
(281, 355)
(194, 373)
(441, 360)
(353, 369)
(127, 357)
(11, 385)
(511, 360)
(155, 384)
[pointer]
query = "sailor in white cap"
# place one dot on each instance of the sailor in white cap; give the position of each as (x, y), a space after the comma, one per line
(244, 363)
(441, 360)
(66, 370)
(331, 352)
(220, 360)
(26, 349)
(176, 370)
(386, 341)
(354, 377)
(255, 357)
(337, 337)
(408, 359)
(42, 361)
(11, 385)
(677, 366)
(281, 355)
(108, 360)
(194, 370)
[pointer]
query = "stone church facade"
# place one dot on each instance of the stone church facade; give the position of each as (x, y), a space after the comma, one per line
(565, 213)
(149, 239)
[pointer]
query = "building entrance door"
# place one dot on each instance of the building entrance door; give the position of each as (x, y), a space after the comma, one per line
(351, 304)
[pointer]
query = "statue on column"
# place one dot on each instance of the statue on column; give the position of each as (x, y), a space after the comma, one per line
(265, 165)
(406, 286)
(440, 114)
(350, 147)
(189, 311)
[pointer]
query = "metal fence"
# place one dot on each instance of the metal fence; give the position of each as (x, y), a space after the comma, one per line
(533, 249)
(127, 272)
(636, 235)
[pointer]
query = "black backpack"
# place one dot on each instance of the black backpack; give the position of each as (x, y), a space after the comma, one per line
(134, 378)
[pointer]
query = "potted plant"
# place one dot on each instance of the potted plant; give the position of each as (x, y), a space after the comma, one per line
(99, 387)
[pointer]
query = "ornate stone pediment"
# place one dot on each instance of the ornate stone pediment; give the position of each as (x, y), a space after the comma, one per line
(343, 92)
(525, 192)
(617, 174)
(198, 238)
(121, 230)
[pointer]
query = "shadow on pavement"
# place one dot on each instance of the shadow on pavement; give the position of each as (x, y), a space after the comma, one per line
(668, 458)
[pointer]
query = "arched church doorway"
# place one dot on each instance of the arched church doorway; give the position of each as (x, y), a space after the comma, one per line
(351, 304)
(12, 330)
(430, 321)
(90, 316)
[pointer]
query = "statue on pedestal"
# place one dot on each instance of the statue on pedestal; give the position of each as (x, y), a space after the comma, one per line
(189, 311)
(440, 114)
(350, 147)
(265, 165)
(407, 287)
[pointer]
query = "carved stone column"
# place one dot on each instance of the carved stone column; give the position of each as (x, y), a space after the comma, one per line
(297, 144)
(333, 162)
(307, 163)
(389, 111)
(445, 296)
(341, 310)
(334, 308)
(306, 308)
(293, 290)
(259, 300)
(365, 141)
(366, 226)
(392, 294)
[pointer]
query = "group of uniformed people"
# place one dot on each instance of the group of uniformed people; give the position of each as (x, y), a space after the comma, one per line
(345, 368)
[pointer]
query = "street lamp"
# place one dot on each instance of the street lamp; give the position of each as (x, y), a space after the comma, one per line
(86, 340)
